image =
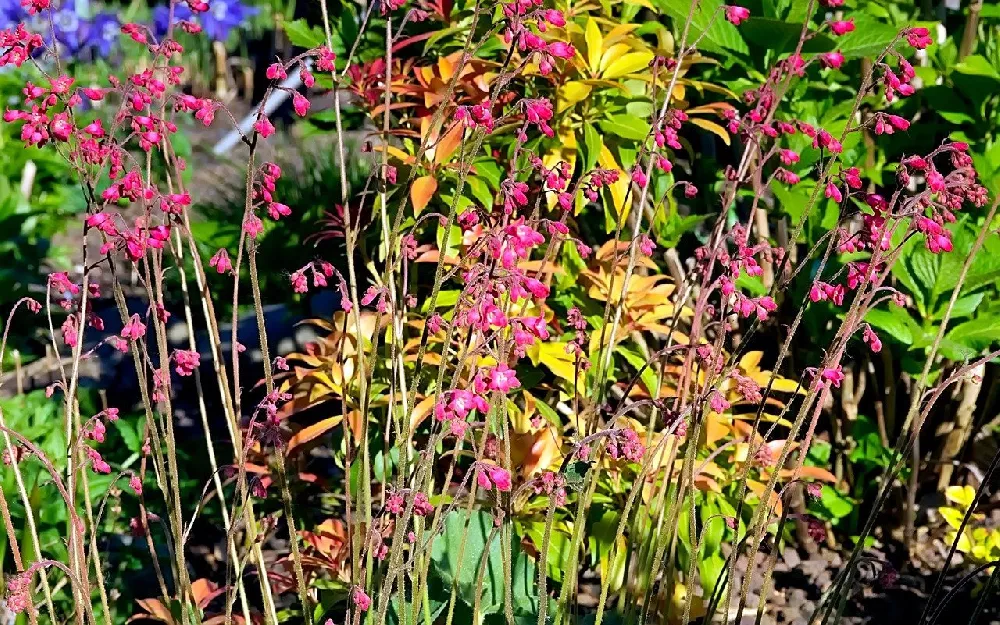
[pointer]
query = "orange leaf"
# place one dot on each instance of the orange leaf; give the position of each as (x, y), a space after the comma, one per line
(155, 611)
(313, 431)
(448, 144)
(816, 473)
(758, 489)
(422, 191)
(536, 452)
(716, 429)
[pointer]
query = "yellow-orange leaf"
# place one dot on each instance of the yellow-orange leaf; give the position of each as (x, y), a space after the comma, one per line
(595, 45)
(628, 64)
(573, 92)
(313, 432)
(448, 144)
(711, 127)
(422, 191)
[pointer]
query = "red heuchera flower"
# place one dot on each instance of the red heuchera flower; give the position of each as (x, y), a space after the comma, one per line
(832, 59)
(186, 361)
(264, 127)
(842, 27)
(220, 260)
(134, 329)
(919, 37)
(737, 14)
(360, 599)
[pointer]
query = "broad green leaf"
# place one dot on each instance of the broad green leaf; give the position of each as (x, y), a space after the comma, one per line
(461, 568)
(976, 334)
(782, 36)
(976, 65)
(965, 306)
(869, 38)
(625, 126)
(720, 36)
(895, 321)
(558, 548)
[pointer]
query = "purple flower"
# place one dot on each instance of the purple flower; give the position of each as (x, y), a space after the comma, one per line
(223, 16)
(161, 18)
(10, 13)
(69, 29)
(102, 33)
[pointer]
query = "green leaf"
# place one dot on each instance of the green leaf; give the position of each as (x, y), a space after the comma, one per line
(895, 321)
(964, 307)
(301, 34)
(720, 35)
(832, 505)
(752, 284)
(592, 146)
(782, 37)
(625, 126)
(868, 448)
(634, 358)
(976, 65)
(461, 567)
(977, 334)
(575, 473)
(985, 267)
(558, 548)
(480, 191)
(869, 38)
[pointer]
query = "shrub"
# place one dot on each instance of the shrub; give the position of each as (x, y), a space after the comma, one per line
(512, 402)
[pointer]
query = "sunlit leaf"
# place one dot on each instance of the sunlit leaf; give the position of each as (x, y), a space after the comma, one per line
(628, 64)
(422, 191)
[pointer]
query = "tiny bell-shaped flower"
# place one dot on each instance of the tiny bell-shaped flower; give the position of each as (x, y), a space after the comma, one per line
(737, 14)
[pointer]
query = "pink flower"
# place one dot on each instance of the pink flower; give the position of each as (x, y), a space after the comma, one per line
(736, 14)
(832, 59)
(221, 261)
(276, 71)
(919, 37)
(872, 339)
(788, 157)
(842, 27)
(646, 245)
(326, 59)
(264, 127)
(500, 478)
(833, 375)
(561, 49)
(253, 226)
(852, 177)
(134, 329)
(361, 600)
(502, 378)
(186, 361)
(277, 210)
(717, 402)
(300, 104)
(834, 193)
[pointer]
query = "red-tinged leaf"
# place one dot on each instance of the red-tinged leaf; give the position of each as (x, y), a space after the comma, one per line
(412, 40)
